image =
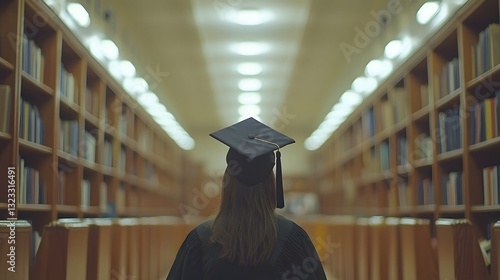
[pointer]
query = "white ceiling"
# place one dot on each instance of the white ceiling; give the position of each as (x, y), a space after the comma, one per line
(304, 73)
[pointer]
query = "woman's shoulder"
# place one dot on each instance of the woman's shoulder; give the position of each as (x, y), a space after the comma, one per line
(200, 233)
(195, 235)
(295, 229)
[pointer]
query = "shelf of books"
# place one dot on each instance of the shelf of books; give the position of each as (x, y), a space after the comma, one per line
(429, 142)
(79, 144)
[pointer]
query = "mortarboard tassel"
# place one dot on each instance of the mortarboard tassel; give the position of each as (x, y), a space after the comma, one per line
(280, 201)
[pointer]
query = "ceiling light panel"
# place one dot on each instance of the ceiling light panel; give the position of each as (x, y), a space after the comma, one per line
(109, 49)
(364, 85)
(79, 14)
(428, 11)
(249, 98)
(249, 84)
(378, 68)
(249, 16)
(393, 49)
(250, 48)
(249, 68)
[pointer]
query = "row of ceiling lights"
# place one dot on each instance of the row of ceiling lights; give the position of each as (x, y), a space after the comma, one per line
(249, 98)
(375, 71)
(107, 53)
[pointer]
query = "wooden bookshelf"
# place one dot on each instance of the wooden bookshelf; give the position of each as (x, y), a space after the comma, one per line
(452, 141)
(77, 121)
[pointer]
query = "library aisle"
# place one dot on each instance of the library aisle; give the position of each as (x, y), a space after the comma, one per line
(405, 186)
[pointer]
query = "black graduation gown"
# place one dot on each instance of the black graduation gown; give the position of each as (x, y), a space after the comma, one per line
(295, 258)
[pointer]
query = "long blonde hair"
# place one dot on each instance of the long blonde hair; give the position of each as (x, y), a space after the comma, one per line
(246, 225)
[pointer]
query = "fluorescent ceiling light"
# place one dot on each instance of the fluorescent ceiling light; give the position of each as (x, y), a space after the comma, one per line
(364, 85)
(250, 48)
(326, 128)
(164, 118)
(351, 98)
(427, 12)
(155, 109)
(249, 110)
(147, 98)
(95, 48)
(249, 16)
(186, 143)
(109, 49)
(322, 133)
(249, 98)
(378, 68)
(343, 110)
(127, 69)
(135, 86)
(115, 69)
(336, 116)
(79, 14)
(312, 144)
(121, 69)
(249, 68)
(249, 84)
(393, 49)
(333, 122)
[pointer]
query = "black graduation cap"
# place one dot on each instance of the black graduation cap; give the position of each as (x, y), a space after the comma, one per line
(251, 153)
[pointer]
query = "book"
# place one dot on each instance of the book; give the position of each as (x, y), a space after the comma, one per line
(68, 237)
(15, 254)
(33, 61)
(494, 185)
(494, 117)
(498, 182)
(488, 119)
(487, 186)
(491, 186)
(424, 146)
(419, 255)
(487, 50)
(67, 87)
(103, 197)
(107, 154)
(61, 187)
(68, 136)
(5, 106)
(388, 116)
(478, 120)
(495, 250)
(397, 96)
(89, 149)
(402, 154)
(425, 192)
(492, 56)
(123, 158)
(472, 123)
(384, 155)
(443, 137)
(455, 241)
(369, 123)
(31, 123)
(99, 249)
(497, 110)
(85, 196)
